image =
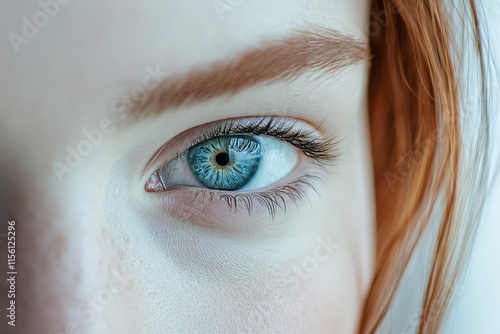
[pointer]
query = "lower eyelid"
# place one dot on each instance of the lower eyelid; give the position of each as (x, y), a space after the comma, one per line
(213, 207)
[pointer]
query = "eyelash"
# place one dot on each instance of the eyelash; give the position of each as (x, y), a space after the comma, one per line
(272, 199)
(321, 150)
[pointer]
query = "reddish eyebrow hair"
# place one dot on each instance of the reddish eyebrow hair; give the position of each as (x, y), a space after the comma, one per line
(276, 60)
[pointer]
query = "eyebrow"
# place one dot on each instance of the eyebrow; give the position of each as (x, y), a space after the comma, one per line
(284, 59)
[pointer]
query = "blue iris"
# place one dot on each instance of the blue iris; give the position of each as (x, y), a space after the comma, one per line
(225, 162)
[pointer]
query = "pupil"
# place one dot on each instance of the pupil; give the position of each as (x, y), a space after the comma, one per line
(222, 159)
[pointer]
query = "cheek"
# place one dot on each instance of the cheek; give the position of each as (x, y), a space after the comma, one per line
(308, 287)
(334, 294)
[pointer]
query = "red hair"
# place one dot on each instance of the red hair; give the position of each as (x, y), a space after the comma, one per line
(414, 109)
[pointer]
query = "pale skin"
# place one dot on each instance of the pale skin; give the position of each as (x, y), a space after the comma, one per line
(99, 254)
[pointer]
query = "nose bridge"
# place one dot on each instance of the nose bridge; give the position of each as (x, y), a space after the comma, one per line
(67, 273)
(50, 260)
(73, 273)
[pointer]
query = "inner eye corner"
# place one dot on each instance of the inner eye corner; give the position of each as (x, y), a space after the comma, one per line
(153, 182)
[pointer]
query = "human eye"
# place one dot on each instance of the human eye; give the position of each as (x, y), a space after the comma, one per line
(264, 162)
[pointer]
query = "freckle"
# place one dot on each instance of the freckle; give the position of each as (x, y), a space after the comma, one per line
(77, 278)
(126, 239)
(58, 247)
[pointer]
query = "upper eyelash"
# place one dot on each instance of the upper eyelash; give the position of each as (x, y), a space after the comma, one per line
(322, 150)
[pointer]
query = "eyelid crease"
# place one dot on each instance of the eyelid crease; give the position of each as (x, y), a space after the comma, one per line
(281, 59)
(322, 150)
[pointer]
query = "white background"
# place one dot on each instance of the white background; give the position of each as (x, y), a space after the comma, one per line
(476, 309)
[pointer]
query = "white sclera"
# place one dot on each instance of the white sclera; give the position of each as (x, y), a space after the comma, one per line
(278, 160)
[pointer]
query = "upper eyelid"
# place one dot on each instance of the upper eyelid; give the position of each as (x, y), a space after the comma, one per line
(155, 161)
(158, 159)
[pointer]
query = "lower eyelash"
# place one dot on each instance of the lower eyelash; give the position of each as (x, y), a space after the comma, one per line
(273, 199)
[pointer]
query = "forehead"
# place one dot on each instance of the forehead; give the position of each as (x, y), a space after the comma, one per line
(174, 32)
(68, 57)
